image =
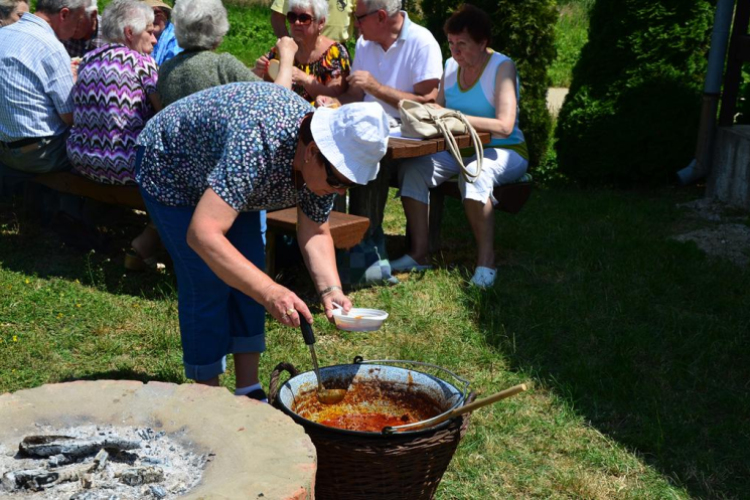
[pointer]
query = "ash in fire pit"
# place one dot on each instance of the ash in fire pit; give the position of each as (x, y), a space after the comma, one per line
(94, 462)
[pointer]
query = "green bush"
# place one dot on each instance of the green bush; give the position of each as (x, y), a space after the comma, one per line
(634, 105)
(524, 31)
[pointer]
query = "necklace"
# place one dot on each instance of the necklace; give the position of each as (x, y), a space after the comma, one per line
(466, 81)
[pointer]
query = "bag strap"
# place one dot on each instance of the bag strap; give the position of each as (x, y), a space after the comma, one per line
(452, 145)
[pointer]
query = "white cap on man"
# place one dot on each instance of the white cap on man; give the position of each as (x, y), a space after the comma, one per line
(354, 138)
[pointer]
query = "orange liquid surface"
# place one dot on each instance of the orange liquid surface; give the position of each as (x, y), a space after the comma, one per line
(367, 422)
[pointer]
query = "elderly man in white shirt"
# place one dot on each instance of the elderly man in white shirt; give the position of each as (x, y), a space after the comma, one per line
(395, 59)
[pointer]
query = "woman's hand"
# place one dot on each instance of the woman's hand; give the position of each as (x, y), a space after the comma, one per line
(286, 47)
(300, 77)
(261, 67)
(339, 298)
(285, 306)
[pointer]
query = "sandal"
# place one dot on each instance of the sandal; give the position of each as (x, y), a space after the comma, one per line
(134, 261)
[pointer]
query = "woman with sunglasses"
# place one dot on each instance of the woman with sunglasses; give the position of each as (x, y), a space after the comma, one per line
(205, 164)
(321, 65)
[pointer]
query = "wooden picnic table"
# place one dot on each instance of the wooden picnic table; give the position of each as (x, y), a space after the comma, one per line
(369, 200)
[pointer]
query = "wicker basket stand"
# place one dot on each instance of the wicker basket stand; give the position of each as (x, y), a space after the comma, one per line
(395, 466)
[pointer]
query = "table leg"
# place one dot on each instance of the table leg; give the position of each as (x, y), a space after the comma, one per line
(369, 200)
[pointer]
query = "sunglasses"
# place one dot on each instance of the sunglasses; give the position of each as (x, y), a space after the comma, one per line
(359, 18)
(293, 17)
(331, 179)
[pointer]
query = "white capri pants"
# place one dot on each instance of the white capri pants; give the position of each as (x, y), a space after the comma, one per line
(417, 176)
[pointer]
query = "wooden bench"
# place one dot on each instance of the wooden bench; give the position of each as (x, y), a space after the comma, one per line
(346, 230)
(510, 198)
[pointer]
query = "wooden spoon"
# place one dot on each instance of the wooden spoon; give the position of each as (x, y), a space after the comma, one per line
(512, 391)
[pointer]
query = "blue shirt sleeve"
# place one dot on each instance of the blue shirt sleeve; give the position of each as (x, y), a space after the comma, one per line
(166, 48)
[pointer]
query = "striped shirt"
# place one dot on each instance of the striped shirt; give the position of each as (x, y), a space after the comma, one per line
(35, 81)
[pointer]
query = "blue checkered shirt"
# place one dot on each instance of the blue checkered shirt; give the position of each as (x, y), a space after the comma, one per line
(36, 82)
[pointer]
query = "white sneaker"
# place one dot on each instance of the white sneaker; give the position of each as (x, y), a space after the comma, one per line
(484, 277)
(405, 263)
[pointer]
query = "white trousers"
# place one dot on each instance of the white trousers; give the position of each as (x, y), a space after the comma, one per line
(417, 176)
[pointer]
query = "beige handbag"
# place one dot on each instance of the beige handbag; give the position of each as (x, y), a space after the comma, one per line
(424, 122)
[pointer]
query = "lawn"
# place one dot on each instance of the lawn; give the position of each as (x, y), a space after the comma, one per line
(636, 344)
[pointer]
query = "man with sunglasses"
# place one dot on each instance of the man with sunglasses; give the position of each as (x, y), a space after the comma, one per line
(395, 59)
(338, 24)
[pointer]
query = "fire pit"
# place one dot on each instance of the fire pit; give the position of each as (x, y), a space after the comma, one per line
(163, 440)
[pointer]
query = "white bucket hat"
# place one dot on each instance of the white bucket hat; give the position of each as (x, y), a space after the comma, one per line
(353, 138)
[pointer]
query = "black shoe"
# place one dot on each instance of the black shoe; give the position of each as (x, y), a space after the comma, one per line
(259, 395)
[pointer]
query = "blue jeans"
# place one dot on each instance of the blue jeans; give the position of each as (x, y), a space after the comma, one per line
(215, 319)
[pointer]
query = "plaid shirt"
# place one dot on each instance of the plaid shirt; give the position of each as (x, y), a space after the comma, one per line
(79, 48)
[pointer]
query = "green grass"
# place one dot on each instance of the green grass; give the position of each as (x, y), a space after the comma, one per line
(636, 344)
(571, 35)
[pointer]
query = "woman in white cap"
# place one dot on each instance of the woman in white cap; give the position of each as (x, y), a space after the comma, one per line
(205, 164)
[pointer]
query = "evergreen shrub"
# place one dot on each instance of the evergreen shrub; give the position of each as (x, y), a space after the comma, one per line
(634, 104)
(524, 31)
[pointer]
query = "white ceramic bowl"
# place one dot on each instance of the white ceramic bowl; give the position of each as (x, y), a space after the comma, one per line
(359, 320)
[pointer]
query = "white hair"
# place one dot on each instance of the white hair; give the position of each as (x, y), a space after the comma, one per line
(55, 6)
(200, 24)
(390, 6)
(319, 8)
(120, 14)
(93, 7)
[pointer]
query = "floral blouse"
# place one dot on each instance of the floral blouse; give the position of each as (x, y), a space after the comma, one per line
(333, 63)
(238, 139)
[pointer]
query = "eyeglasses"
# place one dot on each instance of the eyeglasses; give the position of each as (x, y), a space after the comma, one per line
(293, 17)
(359, 18)
(331, 178)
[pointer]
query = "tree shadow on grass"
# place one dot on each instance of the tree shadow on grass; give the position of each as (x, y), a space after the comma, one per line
(645, 337)
(31, 245)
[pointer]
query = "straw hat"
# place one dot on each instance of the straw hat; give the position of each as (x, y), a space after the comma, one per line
(353, 138)
(157, 3)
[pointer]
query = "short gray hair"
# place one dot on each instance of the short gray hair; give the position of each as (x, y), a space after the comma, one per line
(55, 6)
(199, 24)
(319, 8)
(125, 13)
(93, 6)
(390, 6)
(7, 7)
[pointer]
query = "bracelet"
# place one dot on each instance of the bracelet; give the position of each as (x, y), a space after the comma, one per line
(328, 290)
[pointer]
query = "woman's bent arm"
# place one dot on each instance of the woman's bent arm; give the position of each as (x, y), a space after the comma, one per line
(207, 237)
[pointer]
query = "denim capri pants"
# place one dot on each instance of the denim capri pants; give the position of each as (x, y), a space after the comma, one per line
(215, 319)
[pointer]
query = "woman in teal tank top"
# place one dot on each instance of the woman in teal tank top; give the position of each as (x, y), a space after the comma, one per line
(482, 84)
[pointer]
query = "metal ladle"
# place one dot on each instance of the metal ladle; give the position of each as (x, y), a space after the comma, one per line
(325, 396)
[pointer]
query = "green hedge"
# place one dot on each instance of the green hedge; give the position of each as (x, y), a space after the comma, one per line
(524, 31)
(634, 105)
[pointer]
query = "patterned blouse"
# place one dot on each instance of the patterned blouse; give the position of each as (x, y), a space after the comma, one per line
(238, 139)
(333, 63)
(112, 105)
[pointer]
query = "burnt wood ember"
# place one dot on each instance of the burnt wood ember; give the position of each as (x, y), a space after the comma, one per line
(141, 475)
(48, 446)
(158, 467)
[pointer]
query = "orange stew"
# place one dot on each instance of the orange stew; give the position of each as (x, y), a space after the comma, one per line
(372, 422)
(368, 406)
